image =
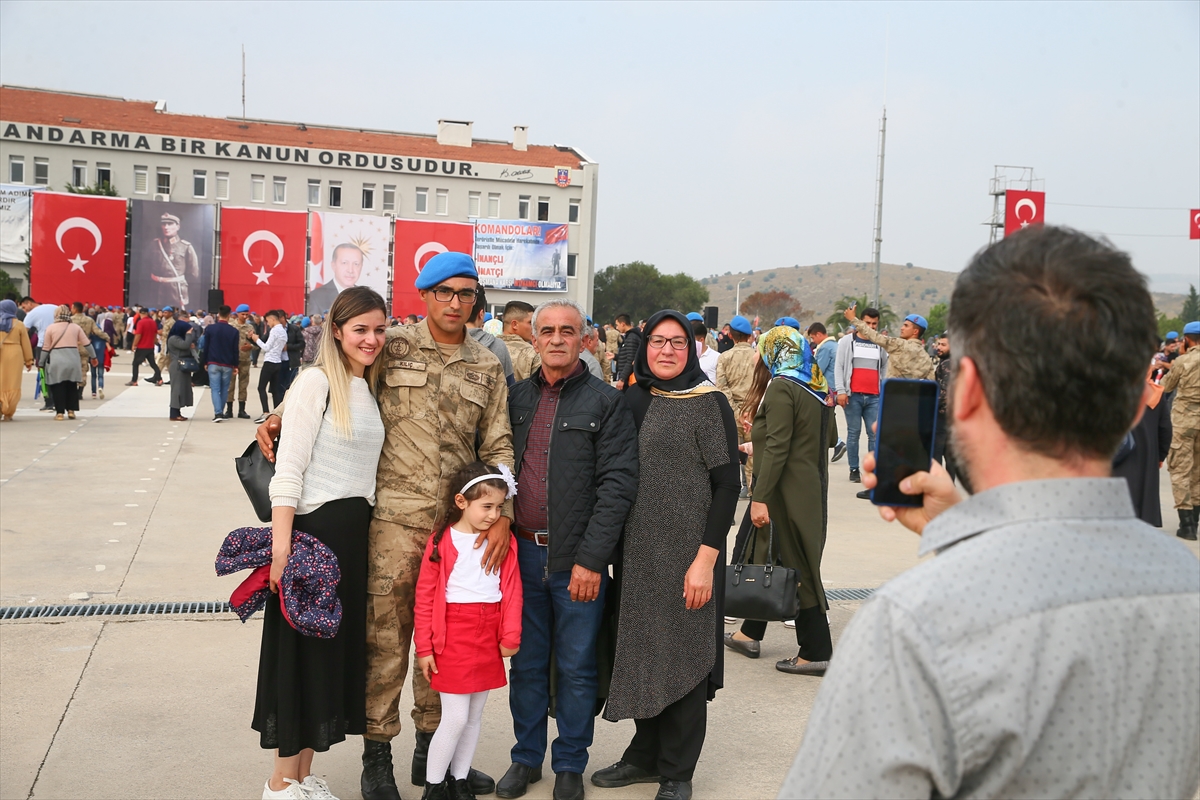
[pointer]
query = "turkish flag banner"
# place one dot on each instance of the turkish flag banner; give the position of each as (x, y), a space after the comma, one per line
(262, 258)
(416, 242)
(1194, 227)
(78, 249)
(1022, 209)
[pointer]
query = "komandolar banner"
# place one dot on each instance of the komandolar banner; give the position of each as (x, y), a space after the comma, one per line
(16, 214)
(416, 242)
(78, 249)
(171, 254)
(1022, 209)
(262, 258)
(518, 254)
(347, 250)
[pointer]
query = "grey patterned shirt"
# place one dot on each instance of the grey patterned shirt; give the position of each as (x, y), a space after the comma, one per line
(1051, 649)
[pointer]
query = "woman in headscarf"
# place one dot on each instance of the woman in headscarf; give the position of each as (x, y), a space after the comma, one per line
(62, 346)
(15, 352)
(181, 344)
(669, 662)
(791, 482)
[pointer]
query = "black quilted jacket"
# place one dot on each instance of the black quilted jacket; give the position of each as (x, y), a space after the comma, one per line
(593, 469)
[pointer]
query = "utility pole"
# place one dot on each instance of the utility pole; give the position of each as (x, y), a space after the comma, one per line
(738, 298)
(879, 203)
(243, 84)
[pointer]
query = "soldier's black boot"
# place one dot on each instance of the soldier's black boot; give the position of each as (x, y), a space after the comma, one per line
(1190, 532)
(420, 758)
(229, 410)
(378, 781)
(1185, 522)
(242, 411)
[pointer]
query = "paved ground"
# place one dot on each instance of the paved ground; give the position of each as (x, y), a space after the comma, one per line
(123, 505)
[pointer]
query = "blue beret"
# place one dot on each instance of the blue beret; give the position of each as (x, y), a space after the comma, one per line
(589, 322)
(305, 322)
(487, 316)
(1192, 329)
(741, 325)
(695, 316)
(918, 320)
(154, 309)
(242, 309)
(791, 322)
(1172, 335)
(445, 266)
(167, 308)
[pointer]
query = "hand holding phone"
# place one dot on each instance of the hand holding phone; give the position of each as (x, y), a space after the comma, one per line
(937, 491)
(904, 438)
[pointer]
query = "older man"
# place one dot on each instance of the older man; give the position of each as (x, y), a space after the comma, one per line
(1049, 649)
(575, 446)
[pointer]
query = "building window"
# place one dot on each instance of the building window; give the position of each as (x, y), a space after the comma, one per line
(279, 189)
(368, 197)
(258, 188)
(523, 207)
(141, 180)
(573, 211)
(314, 192)
(162, 182)
(494, 205)
(16, 169)
(443, 202)
(473, 199)
(78, 173)
(199, 183)
(103, 174)
(335, 194)
(41, 171)
(389, 198)
(422, 206)
(222, 185)
(571, 265)
(543, 209)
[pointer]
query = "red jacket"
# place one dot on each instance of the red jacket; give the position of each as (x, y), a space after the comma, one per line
(429, 635)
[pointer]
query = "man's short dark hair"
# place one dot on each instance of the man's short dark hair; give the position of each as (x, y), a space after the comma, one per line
(699, 329)
(816, 327)
(480, 305)
(738, 336)
(224, 312)
(622, 318)
(1192, 338)
(943, 335)
(77, 307)
(1057, 285)
(28, 299)
(873, 313)
(517, 309)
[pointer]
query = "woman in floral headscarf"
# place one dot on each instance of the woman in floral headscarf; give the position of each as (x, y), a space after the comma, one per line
(791, 482)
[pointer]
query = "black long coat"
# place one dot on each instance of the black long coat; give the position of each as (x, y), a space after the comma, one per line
(1140, 466)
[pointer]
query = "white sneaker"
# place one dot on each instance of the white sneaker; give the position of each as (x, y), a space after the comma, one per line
(789, 623)
(293, 791)
(317, 789)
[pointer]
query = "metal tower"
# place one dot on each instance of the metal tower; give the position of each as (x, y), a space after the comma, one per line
(1004, 178)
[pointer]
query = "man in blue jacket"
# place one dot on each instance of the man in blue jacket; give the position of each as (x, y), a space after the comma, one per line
(221, 342)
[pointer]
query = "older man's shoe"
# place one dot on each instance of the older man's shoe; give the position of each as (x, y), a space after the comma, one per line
(794, 666)
(621, 774)
(378, 781)
(568, 786)
(750, 649)
(516, 781)
(674, 790)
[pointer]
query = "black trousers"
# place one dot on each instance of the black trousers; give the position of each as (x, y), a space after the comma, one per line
(66, 396)
(269, 376)
(942, 452)
(812, 633)
(145, 355)
(670, 743)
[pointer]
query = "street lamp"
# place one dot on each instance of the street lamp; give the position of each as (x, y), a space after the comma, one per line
(737, 303)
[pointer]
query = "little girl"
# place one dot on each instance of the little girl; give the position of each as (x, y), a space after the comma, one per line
(466, 621)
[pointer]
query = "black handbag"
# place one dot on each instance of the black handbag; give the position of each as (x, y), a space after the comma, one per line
(189, 364)
(760, 592)
(255, 473)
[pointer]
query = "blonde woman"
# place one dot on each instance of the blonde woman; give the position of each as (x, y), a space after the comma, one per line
(312, 692)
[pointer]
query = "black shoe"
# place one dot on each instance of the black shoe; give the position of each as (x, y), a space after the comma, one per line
(794, 666)
(481, 782)
(437, 791)
(750, 649)
(865, 494)
(241, 410)
(1187, 526)
(568, 786)
(378, 781)
(516, 781)
(459, 789)
(855, 477)
(621, 774)
(839, 450)
(420, 757)
(674, 790)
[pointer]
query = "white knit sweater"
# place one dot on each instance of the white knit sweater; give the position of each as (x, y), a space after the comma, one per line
(315, 463)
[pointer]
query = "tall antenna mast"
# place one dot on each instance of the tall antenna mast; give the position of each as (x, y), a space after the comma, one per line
(243, 84)
(882, 147)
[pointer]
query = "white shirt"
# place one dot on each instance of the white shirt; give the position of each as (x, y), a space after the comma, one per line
(708, 363)
(468, 582)
(275, 347)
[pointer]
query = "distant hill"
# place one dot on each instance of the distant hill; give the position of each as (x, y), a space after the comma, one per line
(908, 289)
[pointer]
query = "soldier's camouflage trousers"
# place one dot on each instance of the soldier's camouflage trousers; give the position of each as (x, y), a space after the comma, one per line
(243, 381)
(1183, 462)
(394, 561)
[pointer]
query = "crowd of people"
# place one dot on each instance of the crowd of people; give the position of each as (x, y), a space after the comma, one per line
(541, 489)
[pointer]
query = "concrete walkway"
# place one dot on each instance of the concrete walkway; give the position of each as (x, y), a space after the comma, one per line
(123, 505)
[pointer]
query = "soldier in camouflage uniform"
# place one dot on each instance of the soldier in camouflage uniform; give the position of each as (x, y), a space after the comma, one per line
(1183, 462)
(907, 356)
(248, 334)
(442, 393)
(612, 343)
(518, 330)
(735, 374)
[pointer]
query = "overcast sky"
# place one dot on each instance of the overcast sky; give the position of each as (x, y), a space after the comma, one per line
(729, 136)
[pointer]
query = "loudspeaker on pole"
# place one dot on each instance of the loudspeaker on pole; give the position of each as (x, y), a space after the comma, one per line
(710, 317)
(216, 299)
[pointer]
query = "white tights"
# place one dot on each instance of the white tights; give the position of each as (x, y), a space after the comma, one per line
(453, 745)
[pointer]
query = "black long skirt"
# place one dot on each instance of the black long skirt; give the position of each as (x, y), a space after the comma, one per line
(312, 692)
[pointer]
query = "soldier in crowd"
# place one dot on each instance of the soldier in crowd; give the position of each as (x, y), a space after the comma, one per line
(518, 333)
(246, 335)
(118, 319)
(735, 373)
(612, 343)
(443, 392)
(95, 336)
(173, 265)
(908, 356)
(1183, 462)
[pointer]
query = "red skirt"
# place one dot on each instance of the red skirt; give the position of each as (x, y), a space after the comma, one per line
(471, 661)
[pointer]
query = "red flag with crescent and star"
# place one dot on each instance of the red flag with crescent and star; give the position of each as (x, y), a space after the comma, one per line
(1022, 209)
(416, 242)
(78, 249)
(1194, 226)
(262, 258)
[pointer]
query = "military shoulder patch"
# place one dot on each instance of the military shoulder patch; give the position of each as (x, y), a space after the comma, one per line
(399, 347)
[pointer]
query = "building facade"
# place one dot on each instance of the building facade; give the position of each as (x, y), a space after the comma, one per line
(53, 139)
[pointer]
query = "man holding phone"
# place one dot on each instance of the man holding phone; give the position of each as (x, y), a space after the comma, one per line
(1050, 648)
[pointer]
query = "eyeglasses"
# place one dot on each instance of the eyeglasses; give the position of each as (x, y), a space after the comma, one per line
(444, 294)
(659, 342)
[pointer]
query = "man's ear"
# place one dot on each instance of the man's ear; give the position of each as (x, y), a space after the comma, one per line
(969, 396)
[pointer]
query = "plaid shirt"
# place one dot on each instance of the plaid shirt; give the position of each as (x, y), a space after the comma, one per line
(530, 503)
